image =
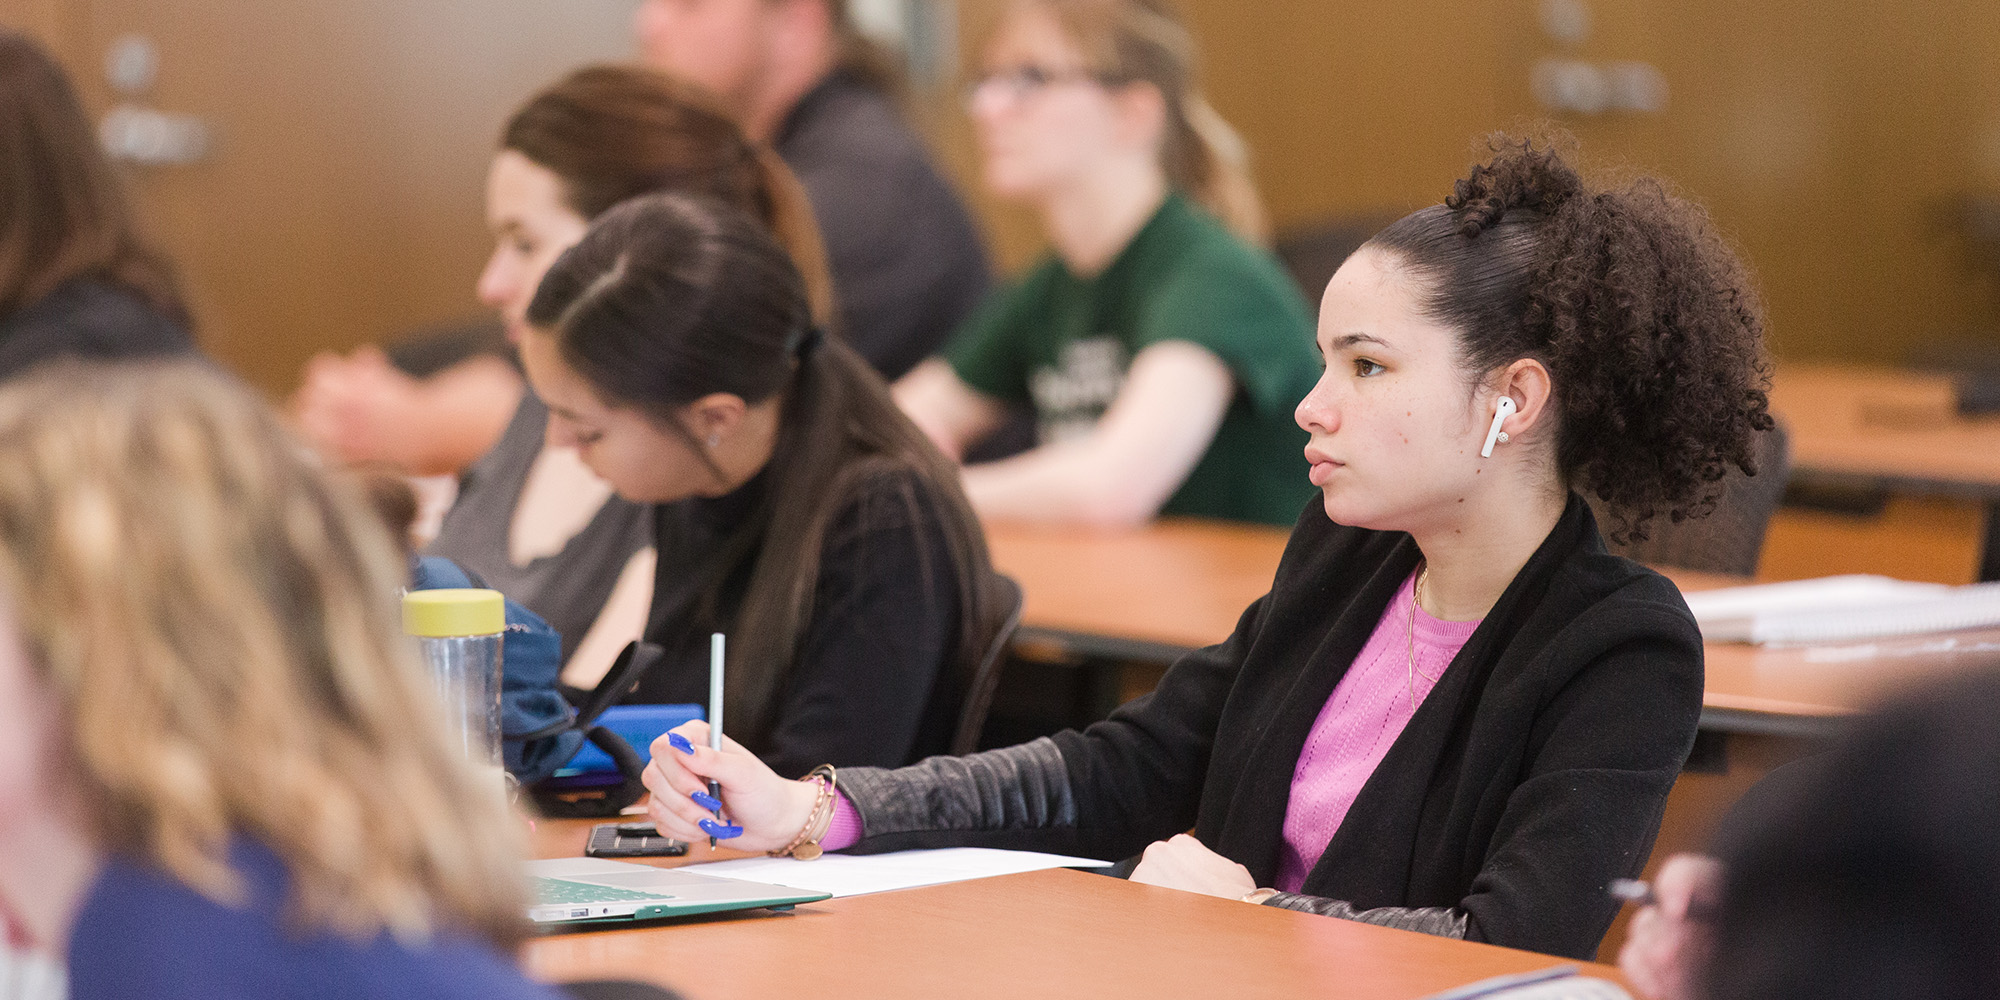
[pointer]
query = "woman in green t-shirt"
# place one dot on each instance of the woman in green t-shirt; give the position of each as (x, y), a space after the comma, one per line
(1161, 350)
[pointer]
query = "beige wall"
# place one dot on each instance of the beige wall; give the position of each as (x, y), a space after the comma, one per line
(1824, 137)
(342, 200)
(343, 203)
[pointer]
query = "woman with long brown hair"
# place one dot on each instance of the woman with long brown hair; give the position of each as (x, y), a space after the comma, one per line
(530, 519)
(796, 509)
(227, 775)
(1159, 347)
(76, 277)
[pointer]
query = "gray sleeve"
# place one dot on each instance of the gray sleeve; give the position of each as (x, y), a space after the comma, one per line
(977, 799)
(1443, 921)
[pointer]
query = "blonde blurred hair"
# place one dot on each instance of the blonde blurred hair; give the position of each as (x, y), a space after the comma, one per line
(1145, 41)
(218, 616)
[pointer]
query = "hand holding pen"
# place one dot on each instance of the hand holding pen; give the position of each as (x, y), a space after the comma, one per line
(765, 810)
(1668, 938)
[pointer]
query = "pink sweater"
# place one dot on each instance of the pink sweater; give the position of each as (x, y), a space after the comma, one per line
(1358, 725)
(1352, 734)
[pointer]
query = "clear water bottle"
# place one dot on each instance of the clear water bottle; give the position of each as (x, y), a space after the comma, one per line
(460, 632)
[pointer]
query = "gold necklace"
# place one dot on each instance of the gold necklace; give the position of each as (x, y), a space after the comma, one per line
(1410, 676)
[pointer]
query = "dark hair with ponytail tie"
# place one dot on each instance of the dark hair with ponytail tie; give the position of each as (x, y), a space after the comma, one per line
(672, 297)
(1643, 315)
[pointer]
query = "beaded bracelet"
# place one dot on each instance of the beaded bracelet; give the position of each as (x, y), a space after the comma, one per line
(805, 846)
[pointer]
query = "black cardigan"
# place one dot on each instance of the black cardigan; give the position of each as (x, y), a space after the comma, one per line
(1533, 774)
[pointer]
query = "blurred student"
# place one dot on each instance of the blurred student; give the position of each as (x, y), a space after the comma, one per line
(1933, 742)
(530, 519)
(76, 277)
(908, 266)
(1454, 713)
(1870, 870)
(1878, 873)
(796, 509)
(904, 255)
(226, 775)
(1161, 350)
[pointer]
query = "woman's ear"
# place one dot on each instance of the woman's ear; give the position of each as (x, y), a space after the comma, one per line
(1527, 383)
(716, 416)
(1142, 114)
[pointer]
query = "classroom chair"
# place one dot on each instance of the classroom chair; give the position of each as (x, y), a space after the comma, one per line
(1004, 620)
(1731, 538)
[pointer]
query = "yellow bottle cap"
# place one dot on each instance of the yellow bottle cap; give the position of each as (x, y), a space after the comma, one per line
(443, 614)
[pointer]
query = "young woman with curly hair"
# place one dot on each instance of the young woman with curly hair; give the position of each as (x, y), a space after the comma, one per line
(1454, 712)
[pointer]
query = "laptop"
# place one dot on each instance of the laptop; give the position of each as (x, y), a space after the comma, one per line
(590, 890)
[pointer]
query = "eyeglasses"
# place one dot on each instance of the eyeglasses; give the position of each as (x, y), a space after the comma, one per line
(1017, 83)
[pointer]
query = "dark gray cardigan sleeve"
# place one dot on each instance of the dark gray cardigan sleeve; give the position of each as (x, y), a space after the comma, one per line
(1443, 921)
(1022, 795)
(1105, 792)
(1018, 797)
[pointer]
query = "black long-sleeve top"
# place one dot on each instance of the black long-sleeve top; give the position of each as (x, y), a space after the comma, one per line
(875, 681)
(1534, 773)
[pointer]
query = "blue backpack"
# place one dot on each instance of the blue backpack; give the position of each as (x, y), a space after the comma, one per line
(538, 728)
(540, 732)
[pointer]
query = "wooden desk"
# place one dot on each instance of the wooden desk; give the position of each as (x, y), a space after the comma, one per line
(1800, 690)
(1892, 429)
(1889, 427)
(1152, 594)
(1147, 595)
(1043, 934)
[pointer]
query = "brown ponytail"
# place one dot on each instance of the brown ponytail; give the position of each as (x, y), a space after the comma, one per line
(611, 133)
(789, 214)
(1145, 41)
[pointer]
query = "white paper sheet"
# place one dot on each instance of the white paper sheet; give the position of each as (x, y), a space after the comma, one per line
(856, 875)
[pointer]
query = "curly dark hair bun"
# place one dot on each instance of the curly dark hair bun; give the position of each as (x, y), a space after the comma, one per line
(1529, 179)
(1644, 316)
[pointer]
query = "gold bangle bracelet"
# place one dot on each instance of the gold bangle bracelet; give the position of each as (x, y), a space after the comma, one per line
(805, 846)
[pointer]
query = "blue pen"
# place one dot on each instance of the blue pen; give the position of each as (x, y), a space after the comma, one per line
(715, 642)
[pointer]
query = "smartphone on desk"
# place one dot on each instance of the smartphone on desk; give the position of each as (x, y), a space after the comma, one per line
(631, 840)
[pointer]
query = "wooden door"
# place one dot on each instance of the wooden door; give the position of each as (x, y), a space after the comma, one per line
(341, 199)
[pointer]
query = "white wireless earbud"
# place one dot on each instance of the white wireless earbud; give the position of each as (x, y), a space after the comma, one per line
(1501, 411)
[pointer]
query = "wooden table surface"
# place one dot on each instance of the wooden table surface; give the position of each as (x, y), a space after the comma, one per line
(1154, 592)
(1043, 934)
(1889, 426)
(1174, 585)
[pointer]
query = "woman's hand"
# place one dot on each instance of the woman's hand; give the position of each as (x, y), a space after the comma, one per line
(765, 812)
(361, 408)
(1187, 863)
(1668, 941)
(357, 407)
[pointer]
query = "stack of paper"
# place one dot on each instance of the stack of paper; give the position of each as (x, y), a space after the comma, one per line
(1839, 608)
